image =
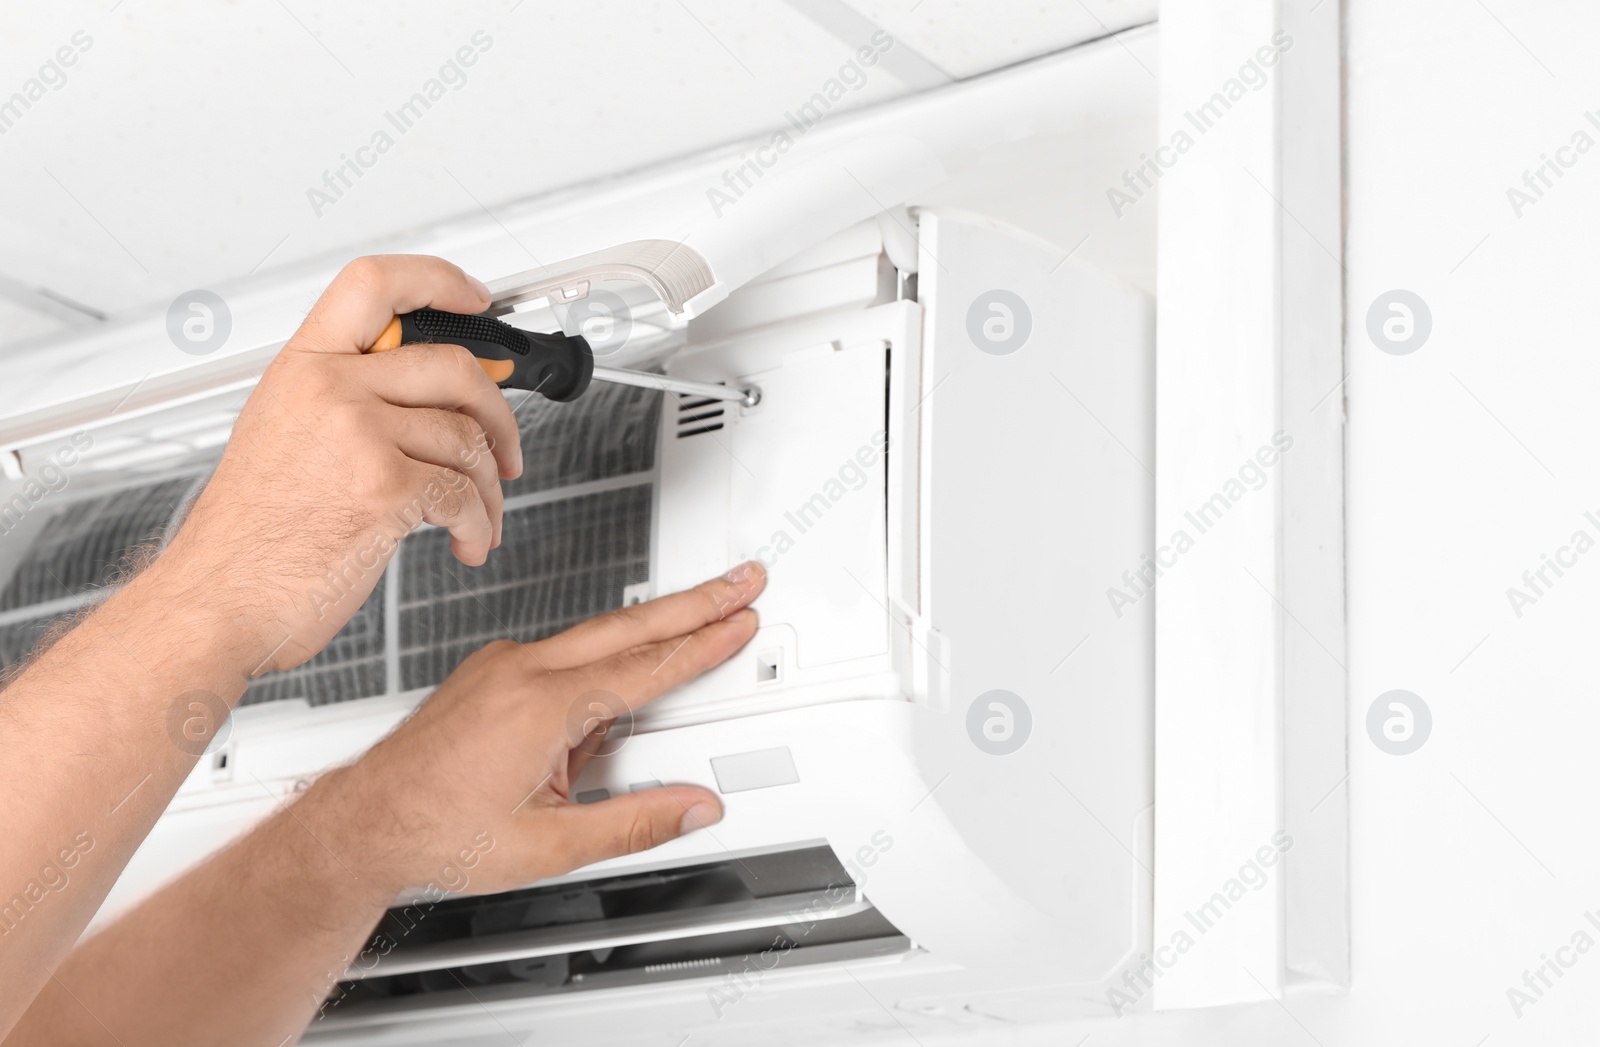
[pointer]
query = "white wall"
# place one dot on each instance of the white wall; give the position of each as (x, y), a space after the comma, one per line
(1473, 857)
(1469, 458)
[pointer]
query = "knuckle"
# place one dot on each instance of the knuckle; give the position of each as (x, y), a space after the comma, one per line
(320, 383)
(639, 833)
(498, 657)
(348, 430)
(364, 275)
(307, 376)
(472, 443)
(446, 424)
(460, 358)
(351, 423)
(388, 477)
(449, 492)
(501, 649)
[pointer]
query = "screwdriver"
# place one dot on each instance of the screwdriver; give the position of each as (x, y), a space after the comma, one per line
(558, 367)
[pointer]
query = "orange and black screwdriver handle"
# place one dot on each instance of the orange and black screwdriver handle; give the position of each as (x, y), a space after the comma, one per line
(556, 366)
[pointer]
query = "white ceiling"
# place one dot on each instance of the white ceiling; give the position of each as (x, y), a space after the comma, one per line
(180, 148)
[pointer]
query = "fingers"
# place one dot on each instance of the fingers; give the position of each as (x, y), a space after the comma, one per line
(644, 673)
(447, 377)
(368, 292)
(452, 441)
(585, 750)
(450, 500)
(667, 617)
(592, 832)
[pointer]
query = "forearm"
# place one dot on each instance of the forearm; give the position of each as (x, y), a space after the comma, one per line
(88, 759)
(334, 453)
(239, 951)
(471, 793)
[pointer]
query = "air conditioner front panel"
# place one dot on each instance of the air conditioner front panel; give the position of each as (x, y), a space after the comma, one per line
(799, 483)
(614, 505)
(814, 507)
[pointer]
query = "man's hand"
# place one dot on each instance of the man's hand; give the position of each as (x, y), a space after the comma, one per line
(498, 745)
(338, 455)
(284, 911)
(335, 458)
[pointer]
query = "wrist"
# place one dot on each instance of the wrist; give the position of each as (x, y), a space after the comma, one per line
(299, 860)
(360, 836)
(210, 637)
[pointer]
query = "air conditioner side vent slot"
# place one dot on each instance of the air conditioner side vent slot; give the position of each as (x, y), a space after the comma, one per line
(699, 414)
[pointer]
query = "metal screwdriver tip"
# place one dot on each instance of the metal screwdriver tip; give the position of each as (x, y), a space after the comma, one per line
(682, 386)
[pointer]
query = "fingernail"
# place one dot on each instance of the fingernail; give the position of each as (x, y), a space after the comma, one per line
(742, 615)
(478, 286)
(699, 816)
(744, 572)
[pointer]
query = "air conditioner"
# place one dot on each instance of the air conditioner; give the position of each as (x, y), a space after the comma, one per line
(935, 755)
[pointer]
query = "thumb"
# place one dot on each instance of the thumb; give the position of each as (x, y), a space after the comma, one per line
(635, 822)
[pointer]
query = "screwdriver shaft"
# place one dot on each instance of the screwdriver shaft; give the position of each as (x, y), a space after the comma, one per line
(644, 380)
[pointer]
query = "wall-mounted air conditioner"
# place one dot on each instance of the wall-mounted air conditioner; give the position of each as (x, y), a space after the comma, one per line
(921, 504)
(936, 754)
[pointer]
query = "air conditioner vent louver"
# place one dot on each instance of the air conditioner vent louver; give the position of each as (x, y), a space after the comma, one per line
(697, 414)
(682, 965)
(707, 920)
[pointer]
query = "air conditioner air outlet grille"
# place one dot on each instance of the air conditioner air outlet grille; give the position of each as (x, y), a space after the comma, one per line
(792, 907)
